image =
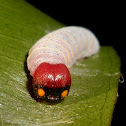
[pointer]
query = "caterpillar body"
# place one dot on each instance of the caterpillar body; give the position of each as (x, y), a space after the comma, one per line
(51, 57)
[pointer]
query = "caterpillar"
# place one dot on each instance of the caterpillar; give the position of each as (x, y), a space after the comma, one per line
(50, 58)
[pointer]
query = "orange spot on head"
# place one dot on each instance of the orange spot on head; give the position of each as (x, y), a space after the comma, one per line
(64, 93)
(41, 92)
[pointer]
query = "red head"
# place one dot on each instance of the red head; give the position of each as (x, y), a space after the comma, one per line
(51, 82)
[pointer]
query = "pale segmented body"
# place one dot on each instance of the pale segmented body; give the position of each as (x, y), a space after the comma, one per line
(65, 45)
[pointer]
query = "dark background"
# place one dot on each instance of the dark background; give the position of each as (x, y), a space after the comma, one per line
(106, 20)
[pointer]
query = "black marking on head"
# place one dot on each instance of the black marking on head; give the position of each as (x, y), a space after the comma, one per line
(52, 95)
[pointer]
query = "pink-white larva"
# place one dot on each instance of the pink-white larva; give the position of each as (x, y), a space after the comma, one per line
(51, 57)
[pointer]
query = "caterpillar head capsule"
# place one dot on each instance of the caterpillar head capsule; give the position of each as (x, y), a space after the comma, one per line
(51, 82)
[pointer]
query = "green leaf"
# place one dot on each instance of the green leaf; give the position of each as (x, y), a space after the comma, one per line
(94, 80)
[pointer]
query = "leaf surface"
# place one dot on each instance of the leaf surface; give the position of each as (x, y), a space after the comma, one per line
(94, 80)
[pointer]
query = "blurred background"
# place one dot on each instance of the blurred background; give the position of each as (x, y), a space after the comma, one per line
(106, 20)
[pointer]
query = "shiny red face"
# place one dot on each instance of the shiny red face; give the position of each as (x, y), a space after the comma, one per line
(51, 82)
